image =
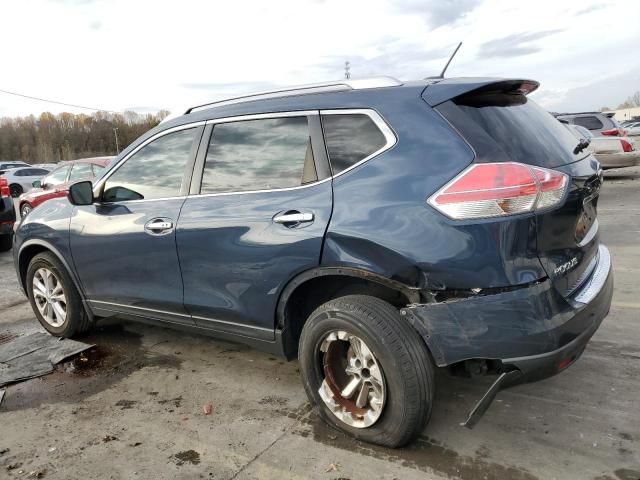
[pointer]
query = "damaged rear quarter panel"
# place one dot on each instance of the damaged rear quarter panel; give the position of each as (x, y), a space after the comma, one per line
(382, 223)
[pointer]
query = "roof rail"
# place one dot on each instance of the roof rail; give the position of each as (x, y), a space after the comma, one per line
(335, 86)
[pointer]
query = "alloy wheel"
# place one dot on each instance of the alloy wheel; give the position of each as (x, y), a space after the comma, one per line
(49, 297)
(354, 386)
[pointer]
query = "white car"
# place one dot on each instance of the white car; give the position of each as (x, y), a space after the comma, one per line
(611, 152)
(4, 166)
(633, 129)
(20, 180)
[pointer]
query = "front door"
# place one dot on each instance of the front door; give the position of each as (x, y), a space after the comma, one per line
(124, 245)
(256, 218)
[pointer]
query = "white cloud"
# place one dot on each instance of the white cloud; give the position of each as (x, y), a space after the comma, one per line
(122, 54)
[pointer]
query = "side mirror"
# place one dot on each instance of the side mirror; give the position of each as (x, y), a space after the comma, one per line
(81, 193)
(37, 184)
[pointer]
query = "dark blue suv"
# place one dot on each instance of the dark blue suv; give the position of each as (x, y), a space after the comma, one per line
(376, 230)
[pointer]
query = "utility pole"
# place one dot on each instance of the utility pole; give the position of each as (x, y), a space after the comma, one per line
(115, 132)
(347, 70)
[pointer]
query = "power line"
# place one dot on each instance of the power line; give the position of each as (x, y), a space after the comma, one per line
(54, 101)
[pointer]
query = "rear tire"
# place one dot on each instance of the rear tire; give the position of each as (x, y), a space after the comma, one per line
(52, 292)
(392, 345)
(6, 241)
(16, 190)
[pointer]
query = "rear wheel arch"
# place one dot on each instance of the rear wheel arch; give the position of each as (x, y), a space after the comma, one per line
(310, 289)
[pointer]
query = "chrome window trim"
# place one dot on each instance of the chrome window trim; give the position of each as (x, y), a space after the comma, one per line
(383, 126)
(263, 116)
(98, 186)
(389, 135)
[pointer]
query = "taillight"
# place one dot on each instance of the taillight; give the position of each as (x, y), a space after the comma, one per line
(499, 189)
(4, 188)
(626, 146)
(613, 132)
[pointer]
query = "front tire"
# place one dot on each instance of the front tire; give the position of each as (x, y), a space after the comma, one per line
(367, 370)
(54, 297)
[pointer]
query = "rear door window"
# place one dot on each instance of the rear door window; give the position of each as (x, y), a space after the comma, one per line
(589, 122)
(350, 138)
(263, 154)
(511, 127)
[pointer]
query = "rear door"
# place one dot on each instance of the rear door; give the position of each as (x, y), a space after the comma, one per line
(261, 201)
(124, 245)
(503, 126)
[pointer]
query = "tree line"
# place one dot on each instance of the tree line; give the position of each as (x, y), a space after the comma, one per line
(631, 102)
(50, 138)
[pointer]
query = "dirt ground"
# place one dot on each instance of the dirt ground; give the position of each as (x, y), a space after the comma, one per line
(132, 407)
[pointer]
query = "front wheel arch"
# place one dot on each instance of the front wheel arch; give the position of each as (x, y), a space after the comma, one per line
(32, 248)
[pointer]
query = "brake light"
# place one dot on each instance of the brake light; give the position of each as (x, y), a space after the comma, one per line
(4, 188)
(626, 146)
(613, 132)
(500, 189)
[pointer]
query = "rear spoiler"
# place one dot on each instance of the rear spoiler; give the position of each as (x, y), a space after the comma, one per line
(447, 89)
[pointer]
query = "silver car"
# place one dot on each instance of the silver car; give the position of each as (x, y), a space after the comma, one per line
(20, 180)
(598, 123)
(611, 152)
(632, 129)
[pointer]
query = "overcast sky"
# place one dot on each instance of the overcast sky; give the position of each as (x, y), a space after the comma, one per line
(148, 55)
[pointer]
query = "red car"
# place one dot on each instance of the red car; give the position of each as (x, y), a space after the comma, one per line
(56, 183)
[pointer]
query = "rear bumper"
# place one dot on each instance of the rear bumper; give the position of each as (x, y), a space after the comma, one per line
(619, 160)
(534, 330)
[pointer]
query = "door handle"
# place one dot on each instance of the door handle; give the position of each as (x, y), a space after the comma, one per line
(159, 226)
(293, 218)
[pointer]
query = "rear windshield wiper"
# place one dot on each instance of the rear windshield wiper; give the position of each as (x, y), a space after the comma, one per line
(584, 143)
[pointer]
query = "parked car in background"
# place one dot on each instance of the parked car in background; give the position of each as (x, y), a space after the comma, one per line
(7, 216)
(598, 123)
(4, 166)
(56, 183)
(632, 129)
(373, 229)
(611, 152)
(21, 179)
(47, 166)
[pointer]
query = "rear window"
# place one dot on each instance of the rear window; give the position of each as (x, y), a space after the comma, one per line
(511, 127)
(589, 122)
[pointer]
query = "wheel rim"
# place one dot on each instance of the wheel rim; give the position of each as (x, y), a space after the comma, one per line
(49, 297)
(25, 210)
(354, 386)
